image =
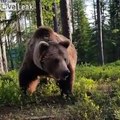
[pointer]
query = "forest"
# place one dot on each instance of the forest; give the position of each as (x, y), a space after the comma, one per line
(93, 26)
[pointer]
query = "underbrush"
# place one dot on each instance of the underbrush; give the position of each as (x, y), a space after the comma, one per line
(99, 72)
(96, 94)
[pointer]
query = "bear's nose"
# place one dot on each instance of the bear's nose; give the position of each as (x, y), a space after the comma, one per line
(66, 74)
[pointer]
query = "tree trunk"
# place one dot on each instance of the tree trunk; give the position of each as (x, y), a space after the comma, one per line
(39, 13)
(94, 6)
(72, 14)
(10, 56)
(66, 18)
(3, 56)
(1, 61)
(100, 41)
(19, 39)
(25, 20)
(55, 17)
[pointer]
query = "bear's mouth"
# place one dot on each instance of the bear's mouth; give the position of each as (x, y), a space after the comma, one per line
(59, 78)
(65, 78)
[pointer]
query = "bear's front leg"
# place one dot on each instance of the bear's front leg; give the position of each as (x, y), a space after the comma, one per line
(33, 85)
(66, 86)
(28, 81)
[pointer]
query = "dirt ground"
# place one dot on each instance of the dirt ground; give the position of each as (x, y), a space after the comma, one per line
(40, 113)
(44, 110)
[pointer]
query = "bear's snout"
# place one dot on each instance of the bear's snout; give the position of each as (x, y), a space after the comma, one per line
(66, 74)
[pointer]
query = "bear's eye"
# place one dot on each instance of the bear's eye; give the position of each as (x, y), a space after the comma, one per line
(56, 60)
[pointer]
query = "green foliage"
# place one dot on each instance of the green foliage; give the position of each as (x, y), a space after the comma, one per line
(117, 63)
(85, 109)
(111, 32)
(96, 94)
(47, 9)
(82, 30)
(9, 91)
(48, 89)
(83, 86)
(105, 72)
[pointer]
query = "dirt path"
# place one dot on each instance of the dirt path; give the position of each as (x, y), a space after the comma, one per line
(47, 108)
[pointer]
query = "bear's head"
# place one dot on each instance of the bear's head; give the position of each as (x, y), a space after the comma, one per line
(52, 57)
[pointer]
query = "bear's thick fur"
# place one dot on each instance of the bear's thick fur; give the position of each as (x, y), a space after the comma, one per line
(48, 54)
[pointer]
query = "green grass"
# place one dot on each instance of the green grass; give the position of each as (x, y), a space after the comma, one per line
(96, 96)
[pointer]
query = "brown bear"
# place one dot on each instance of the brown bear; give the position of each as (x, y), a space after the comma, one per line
(48, 54)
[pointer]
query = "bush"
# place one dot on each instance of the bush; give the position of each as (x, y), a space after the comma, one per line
(99, 72)
(96, 93)
(85, 109)
(9, 91)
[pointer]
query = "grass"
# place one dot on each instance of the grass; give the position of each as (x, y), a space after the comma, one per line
(96, 97)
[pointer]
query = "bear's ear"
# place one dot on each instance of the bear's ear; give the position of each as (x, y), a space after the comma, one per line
(65, 43)
(43, 46)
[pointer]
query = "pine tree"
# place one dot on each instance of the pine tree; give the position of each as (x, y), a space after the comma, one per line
(82, 31)
(115, 28)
